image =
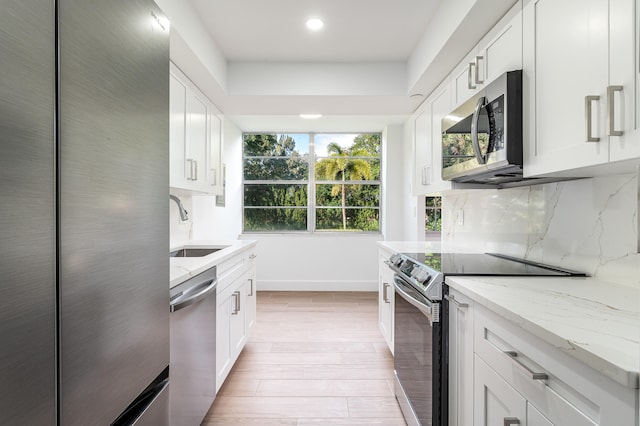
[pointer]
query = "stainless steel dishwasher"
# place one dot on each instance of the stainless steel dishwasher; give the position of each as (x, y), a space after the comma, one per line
(192, 371)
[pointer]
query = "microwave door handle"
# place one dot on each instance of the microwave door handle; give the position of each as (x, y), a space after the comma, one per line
(474, 130)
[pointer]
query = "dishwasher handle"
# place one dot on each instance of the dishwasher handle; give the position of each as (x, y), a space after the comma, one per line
(194, 295)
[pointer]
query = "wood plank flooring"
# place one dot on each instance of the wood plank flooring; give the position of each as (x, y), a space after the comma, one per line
(314, 358)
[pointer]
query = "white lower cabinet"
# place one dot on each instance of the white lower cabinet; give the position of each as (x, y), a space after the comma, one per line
(496, 402)
(519, 377)
(460, 359)
(250, 292)
(386, 295)
(236, 310)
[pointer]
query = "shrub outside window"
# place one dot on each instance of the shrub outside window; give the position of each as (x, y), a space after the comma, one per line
(311, 182)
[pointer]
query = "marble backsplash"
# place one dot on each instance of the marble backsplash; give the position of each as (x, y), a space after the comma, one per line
(590, 225)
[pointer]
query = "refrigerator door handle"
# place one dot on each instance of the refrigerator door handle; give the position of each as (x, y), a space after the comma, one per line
(194, 295)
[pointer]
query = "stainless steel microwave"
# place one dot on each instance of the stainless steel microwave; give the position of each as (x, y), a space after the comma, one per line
(482, 138)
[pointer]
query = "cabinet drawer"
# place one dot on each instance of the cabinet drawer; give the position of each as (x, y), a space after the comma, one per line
(229, 270)
(564, 389)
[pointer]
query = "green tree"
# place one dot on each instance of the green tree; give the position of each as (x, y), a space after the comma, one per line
(339, 166)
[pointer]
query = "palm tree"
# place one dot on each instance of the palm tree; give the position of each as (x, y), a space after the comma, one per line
(339, 166)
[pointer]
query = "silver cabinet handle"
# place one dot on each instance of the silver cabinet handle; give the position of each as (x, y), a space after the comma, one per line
(588, 101)
(385, 292)
(189, 176)
(426, 175)
(611, 90)
(470, 84)
(452, 299)
(195, 163)
(251, 287)
(508, 421)
(215, 176)
(253, 256)
(236, 303)
(478, 59)
(534, 376)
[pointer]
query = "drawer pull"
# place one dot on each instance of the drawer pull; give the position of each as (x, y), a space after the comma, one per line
(452, 299)
(253, 256)
(534, 376)
(508, 421)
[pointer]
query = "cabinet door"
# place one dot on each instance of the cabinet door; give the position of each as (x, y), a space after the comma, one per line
(214, 159)
(177, 132)
(466, 78)
(624, 77)
(460, 359)
(501, 50)
(422, 157)
(386, 300)
(197, 140)
(439, 107)
(238, 309)
(495, 401)
(224, 361)
(250, 304)
(565, 62)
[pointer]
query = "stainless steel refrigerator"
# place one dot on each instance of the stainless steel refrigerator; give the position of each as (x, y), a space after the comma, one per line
(84, 267)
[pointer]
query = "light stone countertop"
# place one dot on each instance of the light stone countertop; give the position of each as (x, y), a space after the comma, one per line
(595, 321)
(183, 268)
(592, 320)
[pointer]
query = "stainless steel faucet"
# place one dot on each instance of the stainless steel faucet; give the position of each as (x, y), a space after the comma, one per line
(184, 215)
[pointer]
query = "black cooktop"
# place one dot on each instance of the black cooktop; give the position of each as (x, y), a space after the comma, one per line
(486, 264)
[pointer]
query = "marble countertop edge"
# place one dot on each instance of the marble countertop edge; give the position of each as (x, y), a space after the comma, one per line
(181, 269)
(602, 355)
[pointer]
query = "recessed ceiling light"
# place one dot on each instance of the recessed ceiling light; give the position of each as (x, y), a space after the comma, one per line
(315, 24)
(310, 116)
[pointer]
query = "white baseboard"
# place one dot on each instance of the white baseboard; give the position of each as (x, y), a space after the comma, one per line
(294, 285)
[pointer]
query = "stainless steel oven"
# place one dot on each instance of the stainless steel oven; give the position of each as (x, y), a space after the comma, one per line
(418, 356)
(420, 323)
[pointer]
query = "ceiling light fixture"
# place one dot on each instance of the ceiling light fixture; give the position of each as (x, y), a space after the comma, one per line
(310, 116)
(315, 24)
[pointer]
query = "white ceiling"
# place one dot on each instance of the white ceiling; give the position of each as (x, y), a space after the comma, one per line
(359, 60)
(354, 31)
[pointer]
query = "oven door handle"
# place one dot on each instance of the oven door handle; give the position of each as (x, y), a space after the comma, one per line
(425, 306)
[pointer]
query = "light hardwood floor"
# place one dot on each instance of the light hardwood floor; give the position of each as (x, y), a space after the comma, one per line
(314, 358)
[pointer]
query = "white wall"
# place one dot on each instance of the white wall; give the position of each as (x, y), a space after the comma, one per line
(392, 202)
(316, 262)
(590, 225)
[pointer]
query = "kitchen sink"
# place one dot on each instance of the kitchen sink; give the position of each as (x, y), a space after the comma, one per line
(194, 252)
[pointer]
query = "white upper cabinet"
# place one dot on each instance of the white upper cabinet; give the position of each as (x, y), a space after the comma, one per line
(439, 105)
(499, 51)
(423, 161)
(214, 163)
(466, 78)
(579, 83)
(427, 141)
(195, 138)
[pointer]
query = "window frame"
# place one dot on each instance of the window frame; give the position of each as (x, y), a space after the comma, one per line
(311, 183)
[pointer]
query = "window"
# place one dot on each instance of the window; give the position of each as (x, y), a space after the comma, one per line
(433, 216)
(311, 182)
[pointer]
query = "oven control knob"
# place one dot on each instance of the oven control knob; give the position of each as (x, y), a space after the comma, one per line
(420, 275)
